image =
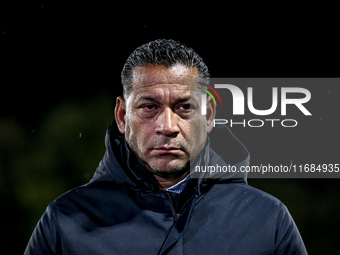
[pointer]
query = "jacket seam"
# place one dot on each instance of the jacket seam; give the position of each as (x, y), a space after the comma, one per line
(59, 232)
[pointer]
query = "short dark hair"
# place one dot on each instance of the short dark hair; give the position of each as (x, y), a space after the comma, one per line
(161, 52)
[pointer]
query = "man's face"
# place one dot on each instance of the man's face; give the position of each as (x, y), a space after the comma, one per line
(158, 114)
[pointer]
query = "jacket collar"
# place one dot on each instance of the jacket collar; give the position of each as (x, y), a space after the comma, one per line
(119, 164)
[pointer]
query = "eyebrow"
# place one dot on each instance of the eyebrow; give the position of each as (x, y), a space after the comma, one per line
(184, 99)
(147, 98)
(153, 99)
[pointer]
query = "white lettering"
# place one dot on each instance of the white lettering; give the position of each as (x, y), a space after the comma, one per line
(298, 101)
(262, 112)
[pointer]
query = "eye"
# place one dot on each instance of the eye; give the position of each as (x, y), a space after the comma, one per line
(186, 107)
(149, 107)
(147, 110)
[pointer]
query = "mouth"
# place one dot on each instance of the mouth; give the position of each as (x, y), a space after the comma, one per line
(167, 150)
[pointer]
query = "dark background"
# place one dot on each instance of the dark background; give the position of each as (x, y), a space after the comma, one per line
(60, 75)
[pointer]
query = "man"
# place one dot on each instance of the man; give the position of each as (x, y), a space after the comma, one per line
(143, 198)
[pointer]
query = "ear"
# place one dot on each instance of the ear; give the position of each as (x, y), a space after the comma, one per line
(211, 113)
(120, 112)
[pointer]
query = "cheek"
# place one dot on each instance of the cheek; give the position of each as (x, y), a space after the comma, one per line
(130, 134)
(136, 134)
(198, 134)
(198, 125)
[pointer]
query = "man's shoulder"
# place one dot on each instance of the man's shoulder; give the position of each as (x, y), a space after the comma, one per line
(249, 196)
(251, 218)
(260, 195)
(93, 194)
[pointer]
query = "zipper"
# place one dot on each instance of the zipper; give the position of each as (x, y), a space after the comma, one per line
(171, 205)
(187, 202)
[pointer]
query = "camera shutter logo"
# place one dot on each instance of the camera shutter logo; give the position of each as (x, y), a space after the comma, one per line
(204, 97)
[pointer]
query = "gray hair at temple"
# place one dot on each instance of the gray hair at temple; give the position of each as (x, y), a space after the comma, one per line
(164, 53)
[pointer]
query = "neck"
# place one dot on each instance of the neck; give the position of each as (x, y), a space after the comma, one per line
(165, 182)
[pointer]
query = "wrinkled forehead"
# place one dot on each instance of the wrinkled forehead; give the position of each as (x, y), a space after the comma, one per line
(152, 76)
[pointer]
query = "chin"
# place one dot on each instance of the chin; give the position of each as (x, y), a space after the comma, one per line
(171, 168)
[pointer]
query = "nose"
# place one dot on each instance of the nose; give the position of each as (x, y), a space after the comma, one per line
(167, 123)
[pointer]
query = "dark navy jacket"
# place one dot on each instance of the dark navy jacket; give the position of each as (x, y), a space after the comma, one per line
(122, 211)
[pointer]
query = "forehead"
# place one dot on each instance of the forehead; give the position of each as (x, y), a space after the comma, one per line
(153, 76)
